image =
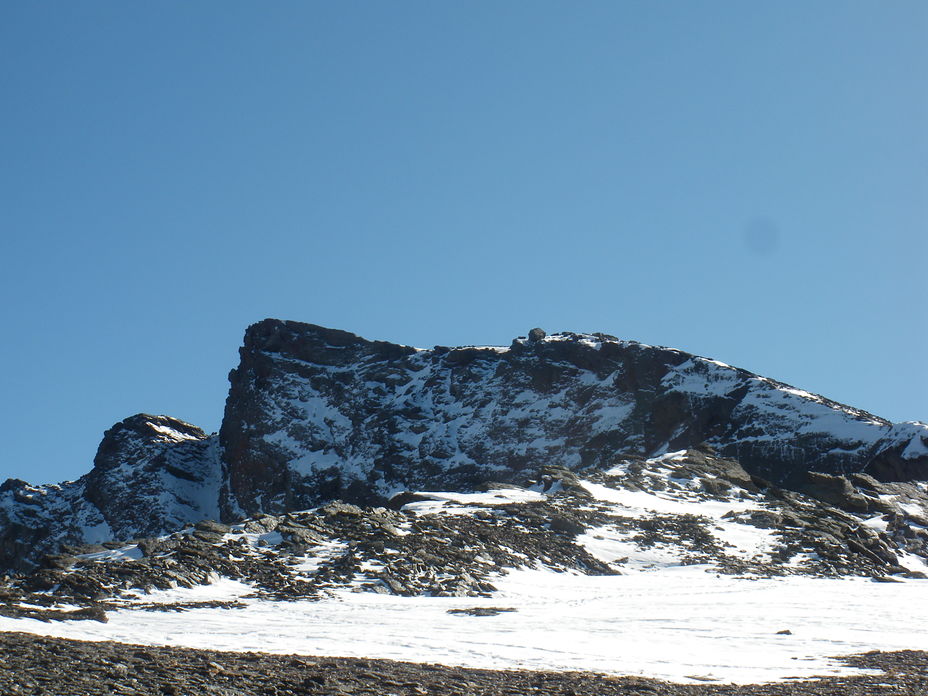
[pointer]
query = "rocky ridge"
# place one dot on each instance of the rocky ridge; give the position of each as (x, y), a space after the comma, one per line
(315, 415)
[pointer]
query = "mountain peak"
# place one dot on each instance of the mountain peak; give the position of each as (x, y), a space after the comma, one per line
(313, 343)
(317, 414)
(139, 431)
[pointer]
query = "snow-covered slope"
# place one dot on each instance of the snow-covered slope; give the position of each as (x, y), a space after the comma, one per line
(677, 567)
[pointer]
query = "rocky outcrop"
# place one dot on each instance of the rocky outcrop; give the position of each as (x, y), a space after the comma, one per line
(151, 474)
(315, 414)
(289, 395)
(162, 465)
(444, 544)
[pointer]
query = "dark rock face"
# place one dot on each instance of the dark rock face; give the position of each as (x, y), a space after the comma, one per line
(315, 414)
(152, 474)
(280, 364)
(161, 465)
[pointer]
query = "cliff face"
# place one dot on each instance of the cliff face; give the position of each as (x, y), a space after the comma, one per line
(315, 414)
(292, 411)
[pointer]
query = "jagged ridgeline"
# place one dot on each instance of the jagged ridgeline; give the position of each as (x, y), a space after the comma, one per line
(316, 414)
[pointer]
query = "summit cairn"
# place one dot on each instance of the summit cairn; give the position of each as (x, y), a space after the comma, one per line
(536, 335)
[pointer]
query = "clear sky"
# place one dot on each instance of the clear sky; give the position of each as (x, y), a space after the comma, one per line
(743, 180)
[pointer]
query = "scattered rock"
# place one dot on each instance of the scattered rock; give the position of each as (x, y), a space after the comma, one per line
(103, 668)
(481, 611)
(304, 555)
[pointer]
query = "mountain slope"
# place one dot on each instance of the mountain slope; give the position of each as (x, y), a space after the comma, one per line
(316, 414)
(621, 571)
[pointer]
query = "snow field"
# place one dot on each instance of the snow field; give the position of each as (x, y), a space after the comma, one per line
(678, 623)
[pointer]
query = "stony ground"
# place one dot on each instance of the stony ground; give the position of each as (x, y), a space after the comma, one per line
(399, 552)
(396, 551)
(40, 666)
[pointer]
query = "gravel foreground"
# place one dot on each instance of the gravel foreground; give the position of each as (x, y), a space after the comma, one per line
(36, 665)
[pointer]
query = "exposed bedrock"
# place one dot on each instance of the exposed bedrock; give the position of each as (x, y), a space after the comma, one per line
(315, 414)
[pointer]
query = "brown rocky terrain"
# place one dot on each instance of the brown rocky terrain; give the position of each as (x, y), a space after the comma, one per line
(37, 666)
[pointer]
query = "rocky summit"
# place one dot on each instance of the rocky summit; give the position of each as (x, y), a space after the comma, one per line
(315, 415)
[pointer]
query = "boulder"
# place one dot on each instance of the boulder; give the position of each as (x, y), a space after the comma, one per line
(834, 490)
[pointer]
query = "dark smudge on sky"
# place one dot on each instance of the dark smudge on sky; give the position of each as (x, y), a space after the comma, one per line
(761, 236)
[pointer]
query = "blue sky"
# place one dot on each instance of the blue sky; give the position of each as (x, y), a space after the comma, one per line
(746, 181)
